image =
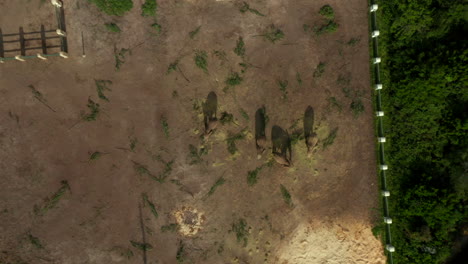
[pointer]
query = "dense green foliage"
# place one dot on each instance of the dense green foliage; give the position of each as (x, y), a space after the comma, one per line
(425, 96)
(113, 7)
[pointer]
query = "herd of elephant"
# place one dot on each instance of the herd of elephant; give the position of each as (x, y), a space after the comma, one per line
(281, 141)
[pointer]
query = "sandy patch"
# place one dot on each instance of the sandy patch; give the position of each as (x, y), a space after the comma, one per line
(335, 244)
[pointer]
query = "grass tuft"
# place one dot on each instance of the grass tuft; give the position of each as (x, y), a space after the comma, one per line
(319, 70)
(327, 12)
(328, 141)
(233, 79)
(246, 8)
(357, 107)
(283, 84)
(241, 231)
(244, 114)
(193, 33)
(35, 241)
(231, 141)
(53, 200)
(201, 60)
(149, 8)
(252, 176)
(170, 228)
(94, 109)
(180, 253)
(195, 155)
(220, 181)
(298, 78)
(173, 67)
(286, 195)
(274, 34)
(151, 205)
(112, 27)
(157, 28)
(141, 246)
(120, 58)
(101, 86)
(226, 118)
(165, 126)
(240, 47)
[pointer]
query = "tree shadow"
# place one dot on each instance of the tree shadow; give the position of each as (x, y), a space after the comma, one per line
(209, 112)
(308, 122)
(260, 123)
(281, 142)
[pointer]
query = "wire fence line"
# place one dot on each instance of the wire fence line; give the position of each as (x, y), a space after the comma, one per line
(383, 167)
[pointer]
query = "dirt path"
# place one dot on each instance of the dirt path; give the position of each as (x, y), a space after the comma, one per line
(72, 189)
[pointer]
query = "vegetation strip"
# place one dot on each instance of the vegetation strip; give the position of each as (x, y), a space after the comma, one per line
(425, 77)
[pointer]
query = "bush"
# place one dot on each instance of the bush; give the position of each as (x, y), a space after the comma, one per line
(113, 7)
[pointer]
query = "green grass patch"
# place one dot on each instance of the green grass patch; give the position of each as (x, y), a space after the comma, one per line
(233, 79)
(95, 156)
(240, 47)
(141, 246)
(241, 231)
(133, 143)
(113, 7)
(195, 155)
(244, 114)
(220, 181)
(173, 67)
(330, 27)
(170, 228)
(319, 70)
(157, 28)
(286, 195)
(165, 126)
(146, 201)
(298, 78)
(52, 202)
(221, 55)
(180, 255)
(149, 8)
(226, 118)
(327, 12)
(94, 110)
(273, 34)
(334, 103)
(357, 107)
(201, 60)
(120, 57)
(252, 176)
(35, 241)
(101, 86)
(328, 141)
(353, 42)
(232, 139)
(112, 27)
(283, 84)
(194, 32)
(246, 8)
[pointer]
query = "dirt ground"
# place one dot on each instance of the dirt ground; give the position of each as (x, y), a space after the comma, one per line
(76, 191)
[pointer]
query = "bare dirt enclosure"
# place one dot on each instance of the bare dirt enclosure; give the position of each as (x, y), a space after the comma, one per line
(104, 158)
